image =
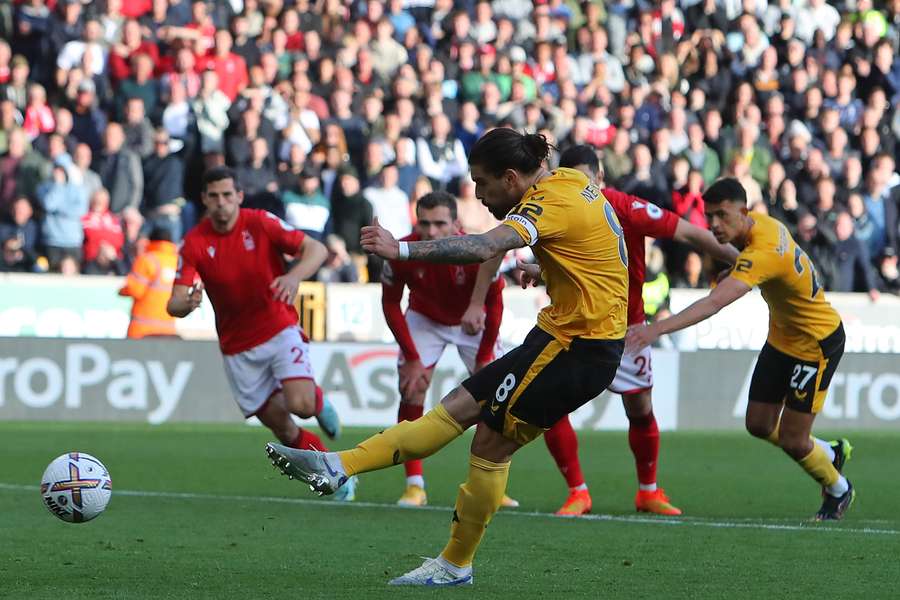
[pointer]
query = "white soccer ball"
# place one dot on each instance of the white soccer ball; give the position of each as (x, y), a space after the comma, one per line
(76, 487)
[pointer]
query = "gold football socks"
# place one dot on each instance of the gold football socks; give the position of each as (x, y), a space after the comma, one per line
(402, 442)
(479, 498)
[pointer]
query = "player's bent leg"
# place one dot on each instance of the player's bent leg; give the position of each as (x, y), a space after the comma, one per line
(762, 420)
(274, 415)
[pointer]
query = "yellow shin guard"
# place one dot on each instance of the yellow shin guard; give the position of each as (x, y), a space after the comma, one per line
(479, 498)
(402, 442)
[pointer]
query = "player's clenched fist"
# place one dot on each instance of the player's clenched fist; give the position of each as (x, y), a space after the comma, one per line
(195, 295)
(531, 274)
(377, 240)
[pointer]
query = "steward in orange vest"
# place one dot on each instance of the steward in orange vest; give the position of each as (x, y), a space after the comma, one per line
(150, 284)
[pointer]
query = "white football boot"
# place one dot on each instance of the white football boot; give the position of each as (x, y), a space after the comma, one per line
(435, 572)
(323, 471)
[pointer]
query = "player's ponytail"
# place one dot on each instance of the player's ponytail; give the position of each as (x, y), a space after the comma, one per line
(502, 149)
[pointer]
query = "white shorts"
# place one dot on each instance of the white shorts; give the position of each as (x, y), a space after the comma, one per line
(635, 373)
(431, 338)
(257, 373)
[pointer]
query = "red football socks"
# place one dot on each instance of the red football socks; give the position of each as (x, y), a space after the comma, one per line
(307, 440)
(563, 445)
(643, 437)
(411, 412)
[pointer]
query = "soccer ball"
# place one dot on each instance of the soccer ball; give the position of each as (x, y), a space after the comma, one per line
(76, 487)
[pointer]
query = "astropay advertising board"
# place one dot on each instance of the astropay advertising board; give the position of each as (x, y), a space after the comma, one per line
(159, 381)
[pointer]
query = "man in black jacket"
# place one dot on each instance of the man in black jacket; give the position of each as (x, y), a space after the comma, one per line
(853, 271)
(163, 186)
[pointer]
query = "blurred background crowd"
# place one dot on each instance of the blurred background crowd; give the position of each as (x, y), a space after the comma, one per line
(335, 111)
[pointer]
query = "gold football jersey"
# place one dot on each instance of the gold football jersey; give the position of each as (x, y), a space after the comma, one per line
(799, 314)
(579, 243)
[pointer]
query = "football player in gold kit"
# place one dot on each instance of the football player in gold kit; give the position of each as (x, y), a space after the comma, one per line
(803, 348)
(570, 357)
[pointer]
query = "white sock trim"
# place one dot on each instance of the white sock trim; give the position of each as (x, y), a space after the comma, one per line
(647, 487)
(839, 488)
(579, 488)
(457, 571)
(826, 447)
(416, 480)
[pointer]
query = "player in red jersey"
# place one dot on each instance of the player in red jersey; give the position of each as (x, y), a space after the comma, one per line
(634, 378)
(238, 255)
(445, 307)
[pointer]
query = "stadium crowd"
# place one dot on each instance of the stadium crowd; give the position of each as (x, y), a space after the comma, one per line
(335, 111)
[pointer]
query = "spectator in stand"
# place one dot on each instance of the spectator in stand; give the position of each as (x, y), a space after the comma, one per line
(137, 128)
(441, 156)
(38, 116)
(64, 204)
(350, 211)
(211, 111)
(140, 84)
(120, 170)
(82, 159)
(21, 170)
(101, 228)
(339, 267)
(230, 67)
(852, 267)
(122, 54)
(15, 89)
(818, 244)
(258, 175)
(389, 204)
(691, 275)
(89, 122)
(306, 207)
(14, 259)
(20, 224)
(88, 52)
(163, 203)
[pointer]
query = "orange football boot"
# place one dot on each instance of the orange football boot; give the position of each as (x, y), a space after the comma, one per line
(578, 503)
(655, 502)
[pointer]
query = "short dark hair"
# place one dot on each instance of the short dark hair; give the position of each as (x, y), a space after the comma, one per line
(501, 149)
(582, 154)
(438, 198)
(162, 233)
(727, 189)
(218, 174)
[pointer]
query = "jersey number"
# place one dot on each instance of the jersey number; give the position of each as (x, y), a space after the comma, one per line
(799, 255)
(508, 384)
(530, 211)
(802, 375)
(616, 229)
(299, 354)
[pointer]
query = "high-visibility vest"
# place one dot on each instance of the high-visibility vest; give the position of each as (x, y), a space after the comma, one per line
(150, 284)
(655, 293)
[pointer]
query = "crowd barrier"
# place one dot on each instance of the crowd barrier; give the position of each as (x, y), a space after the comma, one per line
(162, 381)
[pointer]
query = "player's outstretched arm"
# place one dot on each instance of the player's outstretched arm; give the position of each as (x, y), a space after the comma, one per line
(705, 241)
(459, 249)
(184, 299)
(729, 290)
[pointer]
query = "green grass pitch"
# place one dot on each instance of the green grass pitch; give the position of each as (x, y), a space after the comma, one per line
(198, 512)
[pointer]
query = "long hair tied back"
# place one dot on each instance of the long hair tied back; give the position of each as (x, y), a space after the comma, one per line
(503, 148)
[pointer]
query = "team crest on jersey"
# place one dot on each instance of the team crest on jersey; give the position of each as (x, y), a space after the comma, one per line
(212, 251)
(248, 240)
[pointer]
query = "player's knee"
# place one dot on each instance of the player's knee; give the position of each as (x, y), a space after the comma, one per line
(302, 403)
(759, 429)
(795, 446)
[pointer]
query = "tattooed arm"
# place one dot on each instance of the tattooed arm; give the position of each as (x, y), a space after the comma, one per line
(458, 249)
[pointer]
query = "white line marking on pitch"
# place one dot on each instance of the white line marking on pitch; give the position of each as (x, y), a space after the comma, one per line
(671, 521)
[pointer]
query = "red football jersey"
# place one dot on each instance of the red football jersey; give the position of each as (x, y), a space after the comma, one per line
(237, 269)
(639, 218)
(441, 292)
